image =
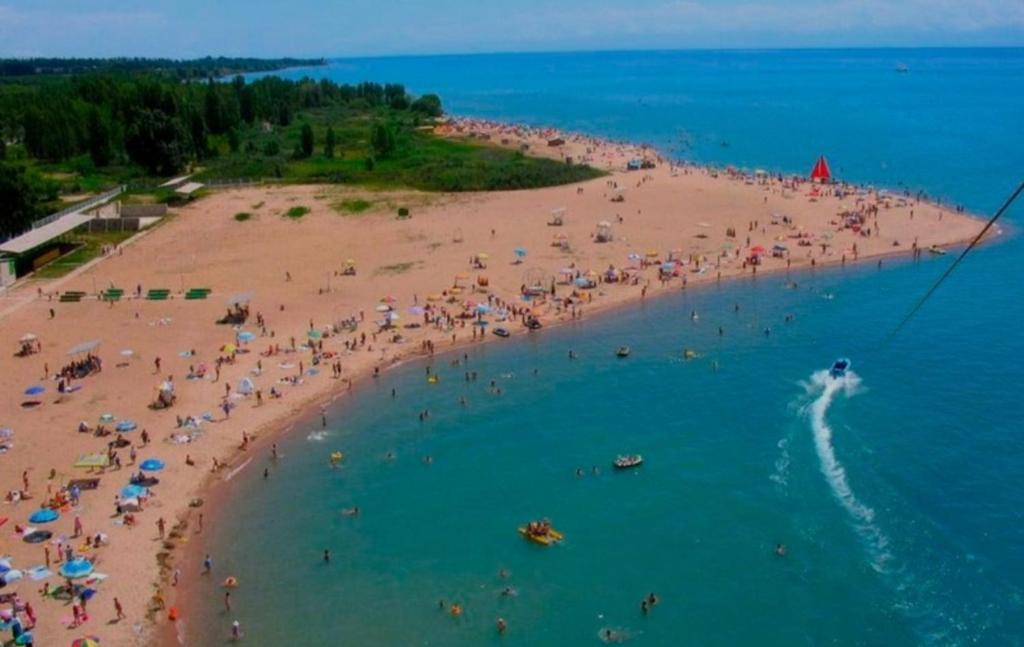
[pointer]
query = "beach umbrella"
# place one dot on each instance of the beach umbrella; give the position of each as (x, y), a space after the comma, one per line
(633, 256)
(229, 348)
(76, 568)
(483, 255)
(520, 252)
(246, 386)
(27, 337)
(388, 299)
(24, 639)
(245, 336)
(757, 249)
(84, 347)
(152, 465)
(35, 389)
(240, 298)
(314, 334)
(127, 352)
(133, 491)
(126, 425)
(88, 641)
(393, 316)
(383, 308)
(417, 310)
(43, 515)
(107, 417)
(11, 576)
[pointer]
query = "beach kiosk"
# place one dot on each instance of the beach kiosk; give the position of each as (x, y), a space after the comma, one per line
(604, 232)
(557, 217)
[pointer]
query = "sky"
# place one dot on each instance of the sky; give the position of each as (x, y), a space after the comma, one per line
(336, 28)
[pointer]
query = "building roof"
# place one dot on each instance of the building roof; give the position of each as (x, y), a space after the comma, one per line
(189, 188)
(40, 235)
(175, 181)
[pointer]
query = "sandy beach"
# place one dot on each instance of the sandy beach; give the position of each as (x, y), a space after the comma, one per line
(427, 276)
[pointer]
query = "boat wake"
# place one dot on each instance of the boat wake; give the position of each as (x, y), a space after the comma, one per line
(861, 516)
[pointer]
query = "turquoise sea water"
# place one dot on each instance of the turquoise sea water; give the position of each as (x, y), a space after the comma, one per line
(897, 492)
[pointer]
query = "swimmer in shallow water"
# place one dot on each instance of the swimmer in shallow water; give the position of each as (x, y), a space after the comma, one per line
(351, 512)
(780, 550)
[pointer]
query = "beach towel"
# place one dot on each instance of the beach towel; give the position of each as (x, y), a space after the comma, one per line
(84, 484)
(92, 460)
(40, 572)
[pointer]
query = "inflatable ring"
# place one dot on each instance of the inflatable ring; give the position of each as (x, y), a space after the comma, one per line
(456, 610)
(231, 582)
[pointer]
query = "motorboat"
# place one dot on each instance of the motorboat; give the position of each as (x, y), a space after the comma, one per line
(938, 251)
(839, 367)
(622, 351)
(626, 462)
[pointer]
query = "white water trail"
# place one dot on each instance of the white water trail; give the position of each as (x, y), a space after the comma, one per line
(861, 516)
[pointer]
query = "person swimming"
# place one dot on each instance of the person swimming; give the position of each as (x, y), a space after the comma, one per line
(780, 550)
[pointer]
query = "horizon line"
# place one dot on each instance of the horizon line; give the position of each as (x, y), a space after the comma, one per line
(624, 50)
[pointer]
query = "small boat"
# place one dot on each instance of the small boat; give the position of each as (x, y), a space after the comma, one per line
(690, 354)
(623, 351)
(544, 537)
(626, 462)
(938, 251)
(902, 68)
(839, 367)
(501, 332)
(433, 379)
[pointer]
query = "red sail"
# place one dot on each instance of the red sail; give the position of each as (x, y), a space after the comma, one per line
(820, 172)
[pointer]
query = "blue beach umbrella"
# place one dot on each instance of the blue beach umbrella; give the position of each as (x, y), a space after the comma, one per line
(35, 389)
(133, 491)
(521, 252)
(483, 308)
(126, 425)
(76, 568)
(245, 335)
(152, 465)
(43, 515)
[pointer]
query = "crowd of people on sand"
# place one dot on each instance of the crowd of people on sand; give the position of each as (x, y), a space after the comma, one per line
(563, 297)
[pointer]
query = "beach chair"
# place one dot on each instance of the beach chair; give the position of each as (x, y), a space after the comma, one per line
(158, 294)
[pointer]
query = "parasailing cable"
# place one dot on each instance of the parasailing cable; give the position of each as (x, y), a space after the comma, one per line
(935, 286)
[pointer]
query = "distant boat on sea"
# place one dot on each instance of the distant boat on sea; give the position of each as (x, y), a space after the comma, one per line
(901, 68)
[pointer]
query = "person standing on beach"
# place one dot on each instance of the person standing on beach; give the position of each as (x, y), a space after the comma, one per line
(227, 601)
(207, 564)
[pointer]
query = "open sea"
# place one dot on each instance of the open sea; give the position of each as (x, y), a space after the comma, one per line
(897, 491)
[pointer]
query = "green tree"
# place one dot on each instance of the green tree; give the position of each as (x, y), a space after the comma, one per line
(307, 140)
(329, 143)
(98, 138)
(17, 200)
(197, 130)
(382, 140)
(233, 141)
(428, 104)
(157, 142)
(213, 109)
(3, 147)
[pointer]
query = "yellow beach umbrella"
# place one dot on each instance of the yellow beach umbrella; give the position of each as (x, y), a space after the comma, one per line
(229, 348)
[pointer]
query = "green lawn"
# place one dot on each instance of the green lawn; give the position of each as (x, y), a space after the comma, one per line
(91, 245)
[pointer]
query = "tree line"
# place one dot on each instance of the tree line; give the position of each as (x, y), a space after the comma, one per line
(184, 69)
(160, 124)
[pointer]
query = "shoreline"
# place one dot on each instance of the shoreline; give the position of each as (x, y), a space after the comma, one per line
(226, 248)
(219, 491)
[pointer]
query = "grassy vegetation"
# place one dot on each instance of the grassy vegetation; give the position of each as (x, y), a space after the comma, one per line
(242, 216)
(397, 268)
(354, 206)
(297, 212)
(420, 159)
(90, 246)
